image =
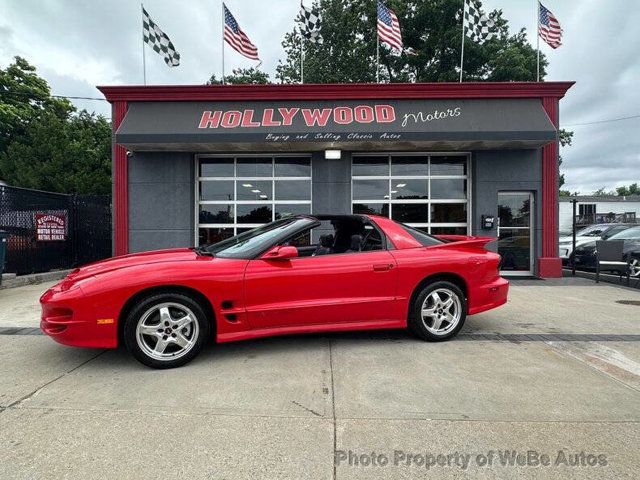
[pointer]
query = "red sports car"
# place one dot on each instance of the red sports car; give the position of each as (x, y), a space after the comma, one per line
(300, 274)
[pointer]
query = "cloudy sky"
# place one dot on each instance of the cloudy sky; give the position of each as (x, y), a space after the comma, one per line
(76, 45)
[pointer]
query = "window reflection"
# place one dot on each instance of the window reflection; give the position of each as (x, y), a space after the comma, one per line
(254, 213)
(216, 213)
(293, 167)
(370, 189)
(254, 190)
(410, 165)
(293, 189)
(254, 167)
(285, 210)
(449, 188)
(217, 167)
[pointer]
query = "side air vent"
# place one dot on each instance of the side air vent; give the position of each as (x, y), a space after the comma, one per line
(232, 317)
(227, 304)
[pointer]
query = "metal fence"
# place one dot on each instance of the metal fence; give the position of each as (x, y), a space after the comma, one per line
(49, 231)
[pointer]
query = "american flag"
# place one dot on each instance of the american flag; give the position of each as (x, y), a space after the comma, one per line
(549, 28)
(235, 37)
(389, 27)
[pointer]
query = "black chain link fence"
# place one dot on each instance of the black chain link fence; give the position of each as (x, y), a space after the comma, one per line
(86, 235)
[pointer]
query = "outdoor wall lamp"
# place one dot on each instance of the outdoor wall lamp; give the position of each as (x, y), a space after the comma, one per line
(332, 154)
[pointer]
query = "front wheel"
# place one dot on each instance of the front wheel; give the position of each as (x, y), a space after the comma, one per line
(438, 312)
(166, 330)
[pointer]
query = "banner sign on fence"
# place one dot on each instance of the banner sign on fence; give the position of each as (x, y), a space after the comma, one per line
(50, 227)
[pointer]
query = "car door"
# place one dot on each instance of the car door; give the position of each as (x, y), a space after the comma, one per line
(316, 290)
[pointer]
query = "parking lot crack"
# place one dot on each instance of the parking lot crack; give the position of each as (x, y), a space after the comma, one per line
(37, 390)
(305, 408)
(333, 409)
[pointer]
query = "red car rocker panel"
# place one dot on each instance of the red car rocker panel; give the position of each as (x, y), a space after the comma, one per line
(302, 274)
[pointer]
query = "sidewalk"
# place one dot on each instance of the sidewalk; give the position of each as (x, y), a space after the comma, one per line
(20, 306)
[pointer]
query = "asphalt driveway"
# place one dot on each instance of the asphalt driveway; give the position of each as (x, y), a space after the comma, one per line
(547, 386)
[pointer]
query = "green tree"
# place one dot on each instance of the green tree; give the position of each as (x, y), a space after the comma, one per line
(24, 97)
(61, 155)
(242, 76)
(632, 189)
(45, 143)
(431, 31)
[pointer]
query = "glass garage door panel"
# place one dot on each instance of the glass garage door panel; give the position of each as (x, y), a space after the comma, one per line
(515, 230)
(425, 191)
(238, 193)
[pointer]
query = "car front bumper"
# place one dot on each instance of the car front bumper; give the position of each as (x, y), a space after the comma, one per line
(69, 318)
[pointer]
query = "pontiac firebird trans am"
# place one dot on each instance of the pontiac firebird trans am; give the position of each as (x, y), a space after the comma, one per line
(300, 274)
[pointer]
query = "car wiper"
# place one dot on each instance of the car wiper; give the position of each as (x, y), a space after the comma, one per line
(202, 251)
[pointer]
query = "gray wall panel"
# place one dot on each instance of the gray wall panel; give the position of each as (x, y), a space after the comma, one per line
(494, 171)
(161, 200)
(143, 240)
(331, 184)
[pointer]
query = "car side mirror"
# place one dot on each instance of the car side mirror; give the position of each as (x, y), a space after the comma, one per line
(284, 252)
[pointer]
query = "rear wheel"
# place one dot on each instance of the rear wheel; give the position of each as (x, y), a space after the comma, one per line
(438, 312)
(166, 330)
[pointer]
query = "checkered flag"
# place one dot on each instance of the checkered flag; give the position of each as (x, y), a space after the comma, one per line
(311, 20)
(476, 23)
(158, 40)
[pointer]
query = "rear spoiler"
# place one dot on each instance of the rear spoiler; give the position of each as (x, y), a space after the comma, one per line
(462, 241)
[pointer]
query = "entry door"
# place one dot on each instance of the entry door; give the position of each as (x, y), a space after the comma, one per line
(515, 232)
(325, 289)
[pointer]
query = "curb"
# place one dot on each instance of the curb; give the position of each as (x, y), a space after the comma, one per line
(33, 279)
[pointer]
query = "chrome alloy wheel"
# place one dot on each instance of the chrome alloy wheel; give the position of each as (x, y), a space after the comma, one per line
(167, 331)
(441, 311)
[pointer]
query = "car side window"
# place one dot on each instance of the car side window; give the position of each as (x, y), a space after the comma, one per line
(372, 240)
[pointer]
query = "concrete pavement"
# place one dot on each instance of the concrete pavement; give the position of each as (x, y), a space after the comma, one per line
(280, 407)
(19, 306)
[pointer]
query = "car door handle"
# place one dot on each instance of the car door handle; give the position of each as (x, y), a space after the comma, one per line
(382, 267)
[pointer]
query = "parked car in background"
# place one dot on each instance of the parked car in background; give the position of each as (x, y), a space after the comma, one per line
(589, 234)
(585, 255)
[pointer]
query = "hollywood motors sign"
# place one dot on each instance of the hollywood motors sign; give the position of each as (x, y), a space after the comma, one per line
(288, 116)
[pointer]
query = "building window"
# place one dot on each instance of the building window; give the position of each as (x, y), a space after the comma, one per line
(428, 192)
(238, 193)
(585, 209)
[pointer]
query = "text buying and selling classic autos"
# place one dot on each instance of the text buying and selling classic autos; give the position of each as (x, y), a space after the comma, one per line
(300, 274)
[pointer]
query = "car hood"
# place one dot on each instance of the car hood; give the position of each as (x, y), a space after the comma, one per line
(133, 260)
(579, 239)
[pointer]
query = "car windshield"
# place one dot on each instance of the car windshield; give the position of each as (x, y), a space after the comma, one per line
(591, 231)
(250, 244)
(633, 232)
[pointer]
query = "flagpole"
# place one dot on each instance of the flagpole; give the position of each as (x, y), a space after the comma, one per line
(301, 57)
(377, 57)
(144, 58)
(222, 37)
(462, 43)
(538, 42)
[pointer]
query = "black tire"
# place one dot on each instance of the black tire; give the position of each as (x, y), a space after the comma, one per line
(174, 302)
(415, 322)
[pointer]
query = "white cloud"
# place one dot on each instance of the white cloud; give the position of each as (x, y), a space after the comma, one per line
(77, 45)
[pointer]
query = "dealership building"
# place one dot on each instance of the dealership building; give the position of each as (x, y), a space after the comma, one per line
(197, 164)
